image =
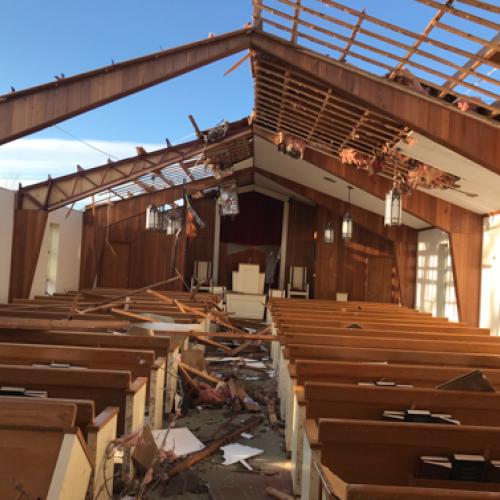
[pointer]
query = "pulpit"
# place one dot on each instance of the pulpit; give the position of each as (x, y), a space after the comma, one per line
(247, 299)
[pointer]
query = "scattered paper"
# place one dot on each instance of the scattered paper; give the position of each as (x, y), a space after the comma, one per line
(256, 364)
(246, 435)
(235, 452)
(246, 464)
(180, 440)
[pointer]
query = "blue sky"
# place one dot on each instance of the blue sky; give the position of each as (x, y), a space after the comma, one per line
(40, 39)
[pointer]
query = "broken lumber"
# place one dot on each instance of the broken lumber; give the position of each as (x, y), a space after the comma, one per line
(212, 343)
(240, 348)
(131, 315)
(190, 381)
(198, 373)
(209, 450)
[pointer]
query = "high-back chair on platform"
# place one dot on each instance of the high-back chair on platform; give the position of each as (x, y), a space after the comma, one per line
(297, 282)
(202, 273)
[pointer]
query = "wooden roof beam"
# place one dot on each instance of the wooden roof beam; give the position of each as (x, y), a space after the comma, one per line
(468, 134)
(32, 109)
(91, 182)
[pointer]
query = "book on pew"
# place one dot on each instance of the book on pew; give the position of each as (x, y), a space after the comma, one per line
(493, 471)
(6, 390)
(473, 381)
(419, 416)
(468, 467)
(434, 467)
(58, 365)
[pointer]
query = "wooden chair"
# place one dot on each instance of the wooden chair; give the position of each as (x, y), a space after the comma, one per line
(202, 273)
(297, 284)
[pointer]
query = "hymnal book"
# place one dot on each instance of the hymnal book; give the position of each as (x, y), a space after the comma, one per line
(468, 467)
(434, 467)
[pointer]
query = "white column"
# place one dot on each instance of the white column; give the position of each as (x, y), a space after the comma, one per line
(284, 240)
(215, 262)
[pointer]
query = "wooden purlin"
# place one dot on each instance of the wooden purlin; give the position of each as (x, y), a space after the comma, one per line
(396, 43)
(122, 172)
(26, 111)
(374, 55)
(372, 60)
(416, 44)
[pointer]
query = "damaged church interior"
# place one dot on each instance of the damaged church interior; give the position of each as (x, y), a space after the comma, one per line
(302, 303)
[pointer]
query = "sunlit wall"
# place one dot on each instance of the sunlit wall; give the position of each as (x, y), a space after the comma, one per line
(490, 275)
(435, 289)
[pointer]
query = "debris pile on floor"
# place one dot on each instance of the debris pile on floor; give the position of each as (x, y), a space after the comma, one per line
(225, 425)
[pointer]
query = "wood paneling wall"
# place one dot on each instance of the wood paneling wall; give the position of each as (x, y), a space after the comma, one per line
(202, 247)
(149, 256)
(301, 245)
(363, 267)
(29, 228)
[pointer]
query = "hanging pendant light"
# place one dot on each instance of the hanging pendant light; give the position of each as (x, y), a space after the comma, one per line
(329, 233)
(347, 220)
(393, 208)
(393, 215)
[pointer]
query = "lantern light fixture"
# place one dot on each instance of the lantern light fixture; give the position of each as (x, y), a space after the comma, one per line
(393, 208)
(329, 233)
(347, 219)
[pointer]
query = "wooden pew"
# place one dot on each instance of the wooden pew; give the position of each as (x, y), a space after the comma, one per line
(360, 452)
(345, 401)
(97, 430)
(104, 387)
(42, 455)
(330, 483)
(138, 363)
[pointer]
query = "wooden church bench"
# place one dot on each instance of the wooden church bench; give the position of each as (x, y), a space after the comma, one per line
(387, 453)
(97, 430)
(403, 343)
(389, 325)
(43, 455)
(331, 483)
(292, 352)
(138, 363)
(389, 333)
(104, 387)
(348, 401)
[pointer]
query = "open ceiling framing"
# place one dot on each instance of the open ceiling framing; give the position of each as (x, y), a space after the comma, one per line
(297, 90)
(445, 70)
